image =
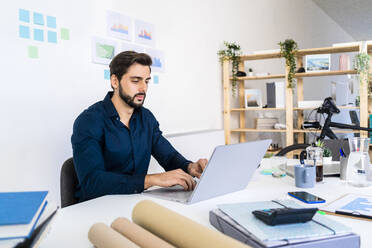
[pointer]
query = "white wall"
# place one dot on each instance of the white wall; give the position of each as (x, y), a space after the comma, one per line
(40, 98)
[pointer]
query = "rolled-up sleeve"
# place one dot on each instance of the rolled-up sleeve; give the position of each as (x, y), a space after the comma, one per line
(94, 179)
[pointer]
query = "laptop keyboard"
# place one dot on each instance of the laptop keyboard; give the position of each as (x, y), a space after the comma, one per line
(175, 193)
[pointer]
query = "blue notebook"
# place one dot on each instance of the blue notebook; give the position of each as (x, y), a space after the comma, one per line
(20, 207)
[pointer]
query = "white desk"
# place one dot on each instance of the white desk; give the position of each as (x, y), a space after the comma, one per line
(71, 225)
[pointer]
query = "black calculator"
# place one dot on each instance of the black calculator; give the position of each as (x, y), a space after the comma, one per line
(276, 216)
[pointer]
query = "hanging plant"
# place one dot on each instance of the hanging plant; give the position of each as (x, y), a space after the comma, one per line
(288, 48)
(361, 64)
(232, 53)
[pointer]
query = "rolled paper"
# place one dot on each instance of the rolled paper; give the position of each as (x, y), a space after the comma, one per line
(179, 230)
(138, 235)
(102, 236)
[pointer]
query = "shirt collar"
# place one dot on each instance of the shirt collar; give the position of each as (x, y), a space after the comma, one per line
(110, 108)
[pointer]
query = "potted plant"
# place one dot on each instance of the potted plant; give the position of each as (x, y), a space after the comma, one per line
(288, 48)
(361, 64)
(250, 72)
(232, 53)
(327, 154)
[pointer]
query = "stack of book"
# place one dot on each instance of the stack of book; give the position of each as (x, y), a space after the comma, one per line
(266, 123)
(20, 214)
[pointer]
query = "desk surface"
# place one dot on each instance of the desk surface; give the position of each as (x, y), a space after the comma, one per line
(71, 225)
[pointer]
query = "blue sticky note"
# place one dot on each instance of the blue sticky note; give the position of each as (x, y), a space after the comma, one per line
(38, 18)
(24, 32)
(106, 75)
(38, 34)
(156, 79)
(51, 22)
(52, 36)
(24, 15)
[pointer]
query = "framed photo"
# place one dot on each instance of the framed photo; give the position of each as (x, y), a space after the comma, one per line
(119, 26)
(318, 62)
(103, 50)
(253, 98)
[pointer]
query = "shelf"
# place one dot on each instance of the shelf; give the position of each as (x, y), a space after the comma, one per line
(324, 73)
(325, 50)
(275, 55)
(303, 52)
(318, 131)
(255, 109)
(261, 77)
(254, 130)
(340, 107)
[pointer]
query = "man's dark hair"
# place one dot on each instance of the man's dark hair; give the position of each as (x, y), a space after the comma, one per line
(121, 62)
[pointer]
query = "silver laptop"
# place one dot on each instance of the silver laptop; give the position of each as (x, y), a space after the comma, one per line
(228, 170)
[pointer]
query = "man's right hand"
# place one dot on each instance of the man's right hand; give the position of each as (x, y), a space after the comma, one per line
(170, 178)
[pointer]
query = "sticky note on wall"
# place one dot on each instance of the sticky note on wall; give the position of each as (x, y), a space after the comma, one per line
(65, 34)
(52, 37)
(106, 75)
(156, 79)
(33, 52)
(38, 34)
(38, 19)
(24, 32)
(24, 15)
(51, 22)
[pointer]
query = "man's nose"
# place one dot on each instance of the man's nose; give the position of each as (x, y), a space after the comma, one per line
(143, 87)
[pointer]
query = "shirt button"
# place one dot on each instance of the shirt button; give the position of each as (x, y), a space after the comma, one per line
(117, 118)
(135, 191)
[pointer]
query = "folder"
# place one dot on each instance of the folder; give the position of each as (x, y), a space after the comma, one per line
(20, 212)
(244, 222)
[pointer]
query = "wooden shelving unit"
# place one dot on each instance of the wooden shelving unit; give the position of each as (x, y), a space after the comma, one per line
(289, 106)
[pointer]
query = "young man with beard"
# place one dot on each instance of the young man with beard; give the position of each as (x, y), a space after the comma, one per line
(114, 139)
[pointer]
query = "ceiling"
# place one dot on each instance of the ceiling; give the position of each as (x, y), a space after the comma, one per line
(353, 16)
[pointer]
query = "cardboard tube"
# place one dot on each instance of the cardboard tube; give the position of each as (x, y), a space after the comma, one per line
(102, 236)
(138, 235)
(179, 230)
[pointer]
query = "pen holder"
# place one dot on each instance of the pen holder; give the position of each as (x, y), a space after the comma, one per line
(343, 168)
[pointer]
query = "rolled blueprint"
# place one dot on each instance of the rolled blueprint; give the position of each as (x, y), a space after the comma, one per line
(102, 236)
(138, 235)
(179, 230)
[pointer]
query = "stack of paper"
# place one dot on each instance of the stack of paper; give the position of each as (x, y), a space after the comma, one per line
(20, 212)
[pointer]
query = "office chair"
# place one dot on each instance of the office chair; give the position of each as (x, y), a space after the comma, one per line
(69, 182)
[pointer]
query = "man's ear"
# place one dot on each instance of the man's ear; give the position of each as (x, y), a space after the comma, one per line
(114, 81)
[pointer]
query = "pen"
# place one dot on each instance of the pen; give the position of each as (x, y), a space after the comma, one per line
(342, 153)
(354, 214)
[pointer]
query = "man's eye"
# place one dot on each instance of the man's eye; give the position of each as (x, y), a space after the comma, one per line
(147, 81)
(135, 81)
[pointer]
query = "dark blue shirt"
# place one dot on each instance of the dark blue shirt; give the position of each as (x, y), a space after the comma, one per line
(111, 158)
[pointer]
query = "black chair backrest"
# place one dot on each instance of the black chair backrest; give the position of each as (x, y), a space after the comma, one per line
(69, 182)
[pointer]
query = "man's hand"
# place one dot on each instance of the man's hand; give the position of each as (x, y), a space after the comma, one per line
(170, 178)
(196, 169)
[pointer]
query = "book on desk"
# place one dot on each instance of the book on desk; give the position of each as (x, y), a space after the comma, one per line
(236, 220)
(20, 212)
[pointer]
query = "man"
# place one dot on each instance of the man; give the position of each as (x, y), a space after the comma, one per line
(114, 139)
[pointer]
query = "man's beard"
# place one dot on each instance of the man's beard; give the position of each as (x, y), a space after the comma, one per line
(130, 100)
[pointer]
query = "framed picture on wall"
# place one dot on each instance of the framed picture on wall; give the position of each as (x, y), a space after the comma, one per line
(253, 98)
(318, 62)
(103, 50)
